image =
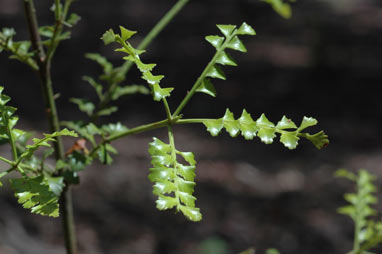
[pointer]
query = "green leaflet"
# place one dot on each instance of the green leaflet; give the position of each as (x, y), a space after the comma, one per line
(266, 130)
(35, 194)
(153, 81)
(19, 50)
(44, 142)
(84, 105)
(229, 41)
(282, 8)
(368, 232)
(7, 120)
(173, 181)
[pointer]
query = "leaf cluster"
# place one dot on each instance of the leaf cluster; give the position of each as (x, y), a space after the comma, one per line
(107, 87)
(368, 232)
(229, 40)
(37, 189)
(266, 130)
(19, 50)
(173, 181)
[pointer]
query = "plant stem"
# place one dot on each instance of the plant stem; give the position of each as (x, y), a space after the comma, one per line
(162, 23)
(44, 63)
(202, 76)
(6, 160)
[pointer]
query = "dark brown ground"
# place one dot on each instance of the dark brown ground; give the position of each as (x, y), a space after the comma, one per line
(325, 62)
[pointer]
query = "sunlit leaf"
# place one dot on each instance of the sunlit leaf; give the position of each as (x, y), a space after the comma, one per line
(225, 59)
(246, 29)
(248, 127)
(126, 33)
(215, 40)
(35, 194)
(226, 29)
(236, 44)
(108, 37)
(173, 181)
(207, 87)
(216, 72)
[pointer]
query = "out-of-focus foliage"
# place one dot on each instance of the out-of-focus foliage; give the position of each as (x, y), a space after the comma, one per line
(37, 189)
(367, 231)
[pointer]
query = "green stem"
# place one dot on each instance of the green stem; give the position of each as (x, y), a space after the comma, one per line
(6, 160)
(11, 139)
(357, 219)
(162, 23)
(173, 155)
(44, 62)
(202, 76)
(167, 108)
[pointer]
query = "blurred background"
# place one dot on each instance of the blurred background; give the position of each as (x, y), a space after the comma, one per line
(324, 62)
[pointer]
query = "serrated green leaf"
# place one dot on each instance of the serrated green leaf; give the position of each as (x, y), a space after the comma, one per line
(126, 33)
(215, 72)
(286, 123)
(163, 187)
(215, 40)
(319, 140)
(187, 172)
(225, 59)
(289, 139)
(248, 127)
(113, 129)
(37, 143)
(152, 79)
(46, 31)
(127, 90)
(84, 105)
(56, 184)
(226, 29)
(266, 135)
(214, 126)
(283, 9)
(107, 111)
(245, 29)
(236, 44)
(207, 87)
(189, 157)
(166, 202)
(108, 37)
(160, 93)
(34, 194)
(187, 199)
(307, 122)
(192, 214)
(101, 60)
(97, 86)
(230, 124)
(73, 19)
(173, 181)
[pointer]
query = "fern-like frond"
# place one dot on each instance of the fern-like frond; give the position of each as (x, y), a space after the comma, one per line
(35, 194)
(367, 233)
(229, 40)
(173, 181)
(152, 80)
(266, 130)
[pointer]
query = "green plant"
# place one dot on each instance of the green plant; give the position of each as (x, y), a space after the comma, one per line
(367, 231)
(44, 188)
